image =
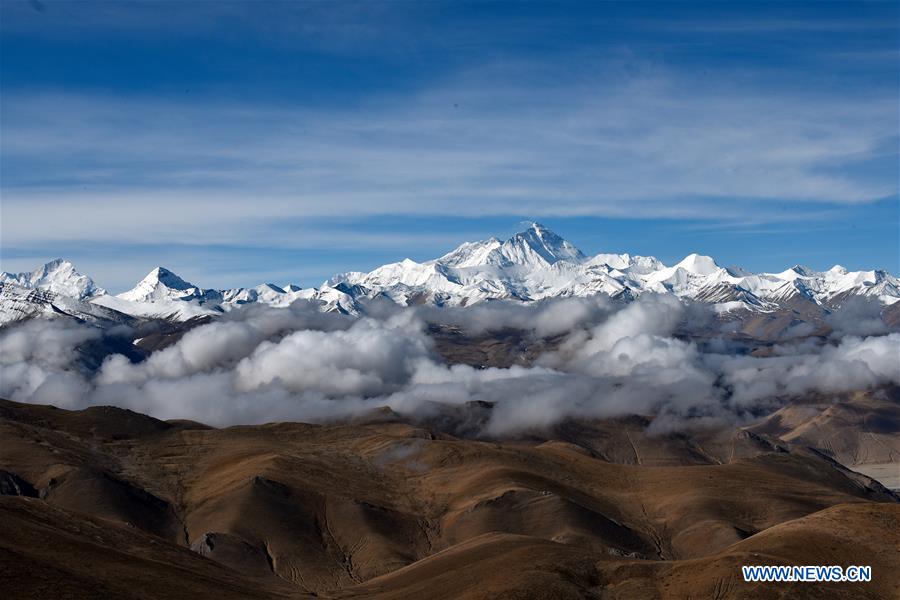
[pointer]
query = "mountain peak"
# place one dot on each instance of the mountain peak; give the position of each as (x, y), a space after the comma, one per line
(58, 276)
(161, 283)
(803, 270)
(698, 264)
(536, 227)
(538, 243)
(167, 278)
(533, 264)
(56, 263)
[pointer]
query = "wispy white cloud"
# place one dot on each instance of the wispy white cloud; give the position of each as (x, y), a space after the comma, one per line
(655, 144)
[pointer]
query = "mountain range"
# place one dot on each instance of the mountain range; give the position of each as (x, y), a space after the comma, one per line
(532, 265)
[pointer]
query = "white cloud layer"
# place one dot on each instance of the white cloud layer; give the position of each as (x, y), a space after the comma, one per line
(261, 364)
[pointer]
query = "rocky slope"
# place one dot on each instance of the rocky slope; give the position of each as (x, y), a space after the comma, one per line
(120, 502)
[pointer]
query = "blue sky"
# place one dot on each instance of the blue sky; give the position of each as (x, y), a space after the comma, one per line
(236, 143)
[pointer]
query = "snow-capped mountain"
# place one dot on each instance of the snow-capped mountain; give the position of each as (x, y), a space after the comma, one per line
(537, 264)
(163, 294)
(58, 276)
(537, 247)
(161, 284)
(18, 303)
(267, 293)
(531, 265)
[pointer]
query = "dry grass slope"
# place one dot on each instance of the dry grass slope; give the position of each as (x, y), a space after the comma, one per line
(129, 506)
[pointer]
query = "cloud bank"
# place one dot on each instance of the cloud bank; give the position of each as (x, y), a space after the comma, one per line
(261, 364)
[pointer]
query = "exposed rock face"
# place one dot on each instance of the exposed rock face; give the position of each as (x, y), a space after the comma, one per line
(13, 485)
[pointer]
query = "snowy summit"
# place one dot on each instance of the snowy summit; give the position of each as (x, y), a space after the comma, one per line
(533, 264)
